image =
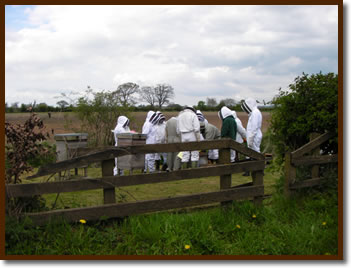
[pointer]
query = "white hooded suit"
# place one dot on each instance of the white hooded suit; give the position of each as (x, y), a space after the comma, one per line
(253, 129)
(121, 127)
(188, 126)
(150, 131)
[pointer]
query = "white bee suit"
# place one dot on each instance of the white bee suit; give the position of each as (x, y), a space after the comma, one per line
(121, 127)
(241, 132)
(188, 126)
(253, 129)
(150, 131)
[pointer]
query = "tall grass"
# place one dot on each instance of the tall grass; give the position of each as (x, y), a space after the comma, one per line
(305, 225)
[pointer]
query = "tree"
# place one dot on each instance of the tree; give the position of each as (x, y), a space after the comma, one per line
(99, 115)
(311, 105)
(147, 95)
(42, 107)
(201, 105)
(211, 102)
(125, 93)
(163, 94)
(62, 104)
(228, 102)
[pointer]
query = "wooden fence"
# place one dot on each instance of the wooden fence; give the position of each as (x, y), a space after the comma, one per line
(108, 182)
(314, 159)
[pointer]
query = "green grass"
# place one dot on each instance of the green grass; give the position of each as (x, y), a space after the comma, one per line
(305, 225)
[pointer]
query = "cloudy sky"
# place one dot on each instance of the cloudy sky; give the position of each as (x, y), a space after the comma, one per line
(202, 51)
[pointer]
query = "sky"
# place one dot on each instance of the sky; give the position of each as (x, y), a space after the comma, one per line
(201, 51)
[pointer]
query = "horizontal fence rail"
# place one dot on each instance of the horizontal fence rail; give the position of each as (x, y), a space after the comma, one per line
(112, 152)
(299, 158)
(30, 189)
(108, 182)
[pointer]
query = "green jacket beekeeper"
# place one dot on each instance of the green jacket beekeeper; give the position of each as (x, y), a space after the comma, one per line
(229, 127)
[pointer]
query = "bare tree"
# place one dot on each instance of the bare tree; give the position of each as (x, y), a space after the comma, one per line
(211, 102)
(125, 93)
(228, 102)
(147, 94)
(163, 94)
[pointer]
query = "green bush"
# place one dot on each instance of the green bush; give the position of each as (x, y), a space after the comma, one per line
(311, 105)
(99, 115)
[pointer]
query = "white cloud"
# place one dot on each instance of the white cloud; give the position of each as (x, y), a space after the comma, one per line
(202, 51)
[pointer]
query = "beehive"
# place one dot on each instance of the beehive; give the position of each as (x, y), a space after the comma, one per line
(67, 144)
(131, 161)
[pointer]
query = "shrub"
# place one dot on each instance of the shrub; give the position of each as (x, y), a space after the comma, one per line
(25, 148)
(311, 105)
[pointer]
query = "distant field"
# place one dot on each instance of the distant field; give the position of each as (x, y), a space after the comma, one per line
(68, 122)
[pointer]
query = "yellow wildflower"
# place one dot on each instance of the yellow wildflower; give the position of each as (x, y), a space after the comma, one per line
(187, 247)
(254, 216)
(324, 223)
(327, 253)
(238, 226)
(83, 221)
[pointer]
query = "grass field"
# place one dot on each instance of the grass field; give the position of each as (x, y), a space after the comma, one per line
(67, 122)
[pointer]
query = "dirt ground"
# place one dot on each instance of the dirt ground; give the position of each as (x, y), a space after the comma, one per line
(60, 123)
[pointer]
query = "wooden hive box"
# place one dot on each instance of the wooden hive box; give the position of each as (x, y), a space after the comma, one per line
(67, 144)
(131, 161)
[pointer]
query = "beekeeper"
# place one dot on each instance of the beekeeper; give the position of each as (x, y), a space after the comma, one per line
(171, 136)
(188, 126)
(210, 132)
(201, 117)
(121, 127)
(229, 128)
(160, 126)
(150, 132)
(241, 132)
(253, 128)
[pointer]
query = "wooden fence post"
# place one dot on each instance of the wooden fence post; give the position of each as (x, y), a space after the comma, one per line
(225, 180)
(315, 168)
(257, 180)
(107, 170)
(290, 174)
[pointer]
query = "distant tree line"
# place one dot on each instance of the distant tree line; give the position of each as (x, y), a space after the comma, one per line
(129, 95)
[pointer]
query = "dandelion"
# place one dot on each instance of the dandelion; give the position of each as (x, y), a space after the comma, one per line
(327, 253)
(187, 246)
(238, 226)
(83, 221)
(254, 216)
(324, 223)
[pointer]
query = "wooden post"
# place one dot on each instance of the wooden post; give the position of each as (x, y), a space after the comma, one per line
(107, 170)
(315, 168)
(225, 180)
(290, 174)
(85, 171)
(257, 180)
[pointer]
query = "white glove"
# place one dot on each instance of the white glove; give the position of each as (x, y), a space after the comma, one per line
(197, 134)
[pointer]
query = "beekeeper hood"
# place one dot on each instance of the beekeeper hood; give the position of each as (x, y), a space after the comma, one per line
(122, 121)
(234, 115)
(190, 108)
(149, 114)
(249, 105)
(224, 112)
(200, 116)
